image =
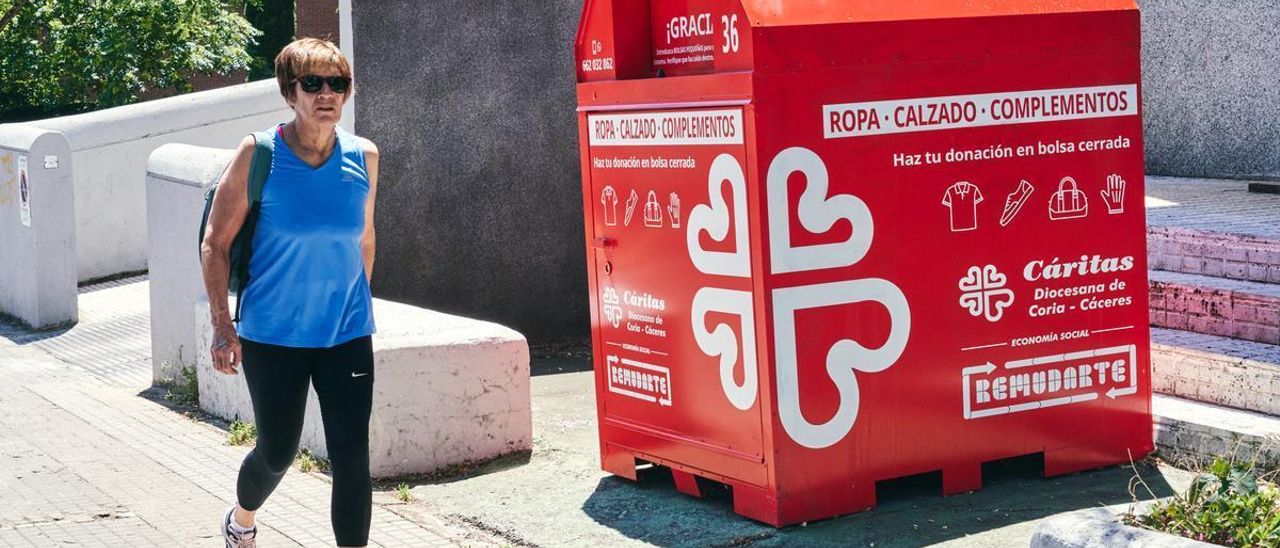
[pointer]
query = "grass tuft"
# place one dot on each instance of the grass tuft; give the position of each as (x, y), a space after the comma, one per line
(308, 462)
(403, 493)
(243, 433)
(185, 390)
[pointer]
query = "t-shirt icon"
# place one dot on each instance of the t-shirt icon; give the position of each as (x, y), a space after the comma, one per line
(962, 199)
(609, 199)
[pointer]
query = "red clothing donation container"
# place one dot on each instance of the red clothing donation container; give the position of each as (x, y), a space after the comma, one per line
(833, 242)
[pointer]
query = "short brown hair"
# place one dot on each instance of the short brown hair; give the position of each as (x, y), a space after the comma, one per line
(307, 56)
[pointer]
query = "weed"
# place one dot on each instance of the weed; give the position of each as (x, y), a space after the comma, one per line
(1226, 504)
(402, 493)
(307, 462)
(185, 390)
(243, 433)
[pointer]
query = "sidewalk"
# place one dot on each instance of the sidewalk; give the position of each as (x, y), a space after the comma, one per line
(89, 459)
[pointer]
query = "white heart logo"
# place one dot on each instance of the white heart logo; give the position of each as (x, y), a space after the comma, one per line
(723, 343)
(714, 220)
(844, 359)
(817, 214)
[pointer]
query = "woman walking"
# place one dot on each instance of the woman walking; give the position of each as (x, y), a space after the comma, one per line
(307, 313)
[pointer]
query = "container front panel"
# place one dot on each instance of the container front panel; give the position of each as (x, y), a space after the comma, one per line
(676, 364)
(957, 265)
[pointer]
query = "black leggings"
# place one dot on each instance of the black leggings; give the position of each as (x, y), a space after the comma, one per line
(343, 378)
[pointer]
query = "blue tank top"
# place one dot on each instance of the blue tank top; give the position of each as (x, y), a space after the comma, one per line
(307, 286)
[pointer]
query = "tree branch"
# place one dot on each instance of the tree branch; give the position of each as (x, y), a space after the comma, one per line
(13, 12)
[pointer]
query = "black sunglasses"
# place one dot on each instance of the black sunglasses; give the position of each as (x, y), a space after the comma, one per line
(312, 83)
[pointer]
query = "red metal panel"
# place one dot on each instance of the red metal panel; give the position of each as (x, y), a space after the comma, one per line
(699, 36)
(922, 248)
(777, 13)
(613, 40)
(646, 168)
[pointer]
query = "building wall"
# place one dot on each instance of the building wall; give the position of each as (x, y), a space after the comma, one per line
(480, 209)
(317, 19)
(1211, 105)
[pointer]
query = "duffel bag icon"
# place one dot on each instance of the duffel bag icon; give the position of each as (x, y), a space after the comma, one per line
(1068, 202)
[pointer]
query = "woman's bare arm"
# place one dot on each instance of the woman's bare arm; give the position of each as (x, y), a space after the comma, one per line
(230, 207)
(369, 240)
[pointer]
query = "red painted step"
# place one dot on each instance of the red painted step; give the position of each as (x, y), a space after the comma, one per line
(1216, 306)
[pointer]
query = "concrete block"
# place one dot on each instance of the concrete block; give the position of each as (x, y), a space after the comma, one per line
(1258, 272)
(110, 149)
(1260, 255)
(1216, 369)
(37, 257)
(1236, 270)
(1189, 432)
(1176, 320)
(177, 176)
(1094, 527)
(447, 390)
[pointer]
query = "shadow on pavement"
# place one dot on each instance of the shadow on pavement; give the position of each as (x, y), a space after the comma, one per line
(14, 331)
(911, 511)
(556, 365)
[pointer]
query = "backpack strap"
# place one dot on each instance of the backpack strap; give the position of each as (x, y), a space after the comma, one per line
(259, 170)
(264, 147)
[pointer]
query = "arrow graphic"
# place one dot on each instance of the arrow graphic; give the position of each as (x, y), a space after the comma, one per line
(1133, 376)
(983, 369)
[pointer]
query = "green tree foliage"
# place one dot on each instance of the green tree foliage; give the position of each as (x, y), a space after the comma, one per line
(275, 18)
(63, 56)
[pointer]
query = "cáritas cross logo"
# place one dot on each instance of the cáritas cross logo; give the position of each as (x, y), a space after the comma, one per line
(816, 212)
(983, 293)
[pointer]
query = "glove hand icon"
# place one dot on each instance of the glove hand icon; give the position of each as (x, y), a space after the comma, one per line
(673, 210)
(1113, 195)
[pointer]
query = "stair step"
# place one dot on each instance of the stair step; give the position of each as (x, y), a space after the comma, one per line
(1238, 309)
(1187, 430)
(1265, 187)
(1217, 370)
(1193, 251)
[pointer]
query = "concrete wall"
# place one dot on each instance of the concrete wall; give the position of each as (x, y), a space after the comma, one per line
(472, 105)
(1211, 105)
(177, 176)
(109, 149)
(37, 241)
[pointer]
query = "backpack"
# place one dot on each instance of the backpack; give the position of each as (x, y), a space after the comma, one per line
(242, 246)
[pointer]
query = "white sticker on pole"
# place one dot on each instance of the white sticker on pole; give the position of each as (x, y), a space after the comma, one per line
(988, 109)
(697, 127)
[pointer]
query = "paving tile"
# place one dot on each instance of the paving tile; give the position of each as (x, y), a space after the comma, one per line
(88, 462)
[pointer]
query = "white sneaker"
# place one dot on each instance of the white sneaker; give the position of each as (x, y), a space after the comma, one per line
(234, 539)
